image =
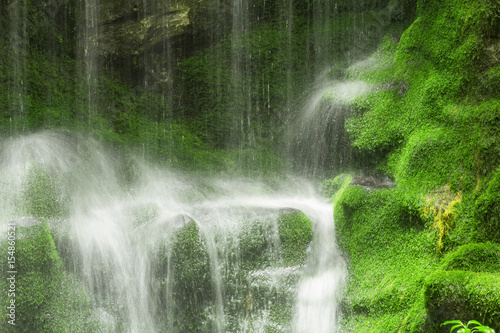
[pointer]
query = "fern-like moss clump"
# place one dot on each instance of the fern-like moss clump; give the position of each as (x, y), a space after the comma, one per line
(440, 207)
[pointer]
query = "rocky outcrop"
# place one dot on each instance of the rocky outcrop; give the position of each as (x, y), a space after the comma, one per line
(142, 39)
(120, 29)
(372, 181)
(130, 30)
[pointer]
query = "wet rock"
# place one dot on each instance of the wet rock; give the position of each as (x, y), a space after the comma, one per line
(125, 28)
(370, 182)
(46, 298)
(295, 231)
(401, 87)
(193, 291)
(492, 52)
(461, 294)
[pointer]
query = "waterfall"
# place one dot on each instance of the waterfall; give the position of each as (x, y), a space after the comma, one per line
(317, 139)
(89, 64)
(91, 154)
(122, 228)
(18, 96)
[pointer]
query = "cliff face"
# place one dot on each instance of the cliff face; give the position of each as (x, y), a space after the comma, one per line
(434, 119)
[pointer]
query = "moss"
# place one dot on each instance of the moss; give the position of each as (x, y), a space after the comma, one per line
(193, 291)
(389, 252)
(487, 211)
(434, 157)
(256, 244)
(464, 296)
(440, 207)
(42, 195)
(331, 186)
(397, 281)
(475, 257)
(46, 298)
(434, 117)
(430, 129)
(295, 232)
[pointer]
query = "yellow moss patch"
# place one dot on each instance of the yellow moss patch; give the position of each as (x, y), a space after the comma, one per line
(440, 206)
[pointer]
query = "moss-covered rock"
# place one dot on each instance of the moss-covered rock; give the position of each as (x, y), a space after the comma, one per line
(474, 257)
(42, 194)
(440, 139)
(295, 232)
(388, 253)
(257, 245)
(331, 186)
(192, 287)
(487, 210)
(462, 295)
(46, 298)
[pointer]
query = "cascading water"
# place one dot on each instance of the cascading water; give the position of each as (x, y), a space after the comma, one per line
(89, 65)
(141, 248)
(160, 251)
(18, 41)
(317, 139)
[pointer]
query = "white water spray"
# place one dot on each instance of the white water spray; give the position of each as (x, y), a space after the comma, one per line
(121, 216)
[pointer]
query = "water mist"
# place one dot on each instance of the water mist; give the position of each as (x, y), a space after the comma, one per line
(155, 250)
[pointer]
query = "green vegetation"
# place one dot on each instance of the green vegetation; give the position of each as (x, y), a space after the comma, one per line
(462, 328)
(426, 251)
(295, 232)
(420, 253)
(193, 289)
(258, 266)
(269, 255)
(46, 298)
(42, 195)
(463, 294)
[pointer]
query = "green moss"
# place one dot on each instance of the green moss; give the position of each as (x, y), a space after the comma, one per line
(434, 117)
(331, 186)
(46, 298)
(193, 291)
(256, 244)
(487, 211)
(464, 296)
(424, 114)
(389, 252)
(295, 232)
(475, 257)
(42, 194)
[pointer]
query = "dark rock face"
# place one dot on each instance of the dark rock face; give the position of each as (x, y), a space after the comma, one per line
(141, 39)
(372, 181)
(131, 29)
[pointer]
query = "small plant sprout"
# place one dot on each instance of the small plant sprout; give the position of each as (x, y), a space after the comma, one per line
(462, 328)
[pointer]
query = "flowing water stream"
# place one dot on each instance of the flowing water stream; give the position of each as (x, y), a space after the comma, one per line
(158, 251)
(149, 249)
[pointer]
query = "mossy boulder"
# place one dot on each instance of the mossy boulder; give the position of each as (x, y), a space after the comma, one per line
(375, 229)
(46, 298)
(331, 186)
(42, 196)
(474, 257)
(462, 295)
(192, 287)
(487, 210)
(295, 232)
(256, 244)
(265, 243)
(263, 266)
